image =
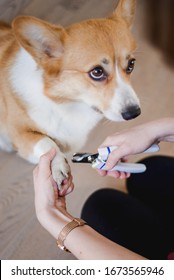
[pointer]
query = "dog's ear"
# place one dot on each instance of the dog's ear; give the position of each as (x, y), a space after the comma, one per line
(41, 39)
(125, 9)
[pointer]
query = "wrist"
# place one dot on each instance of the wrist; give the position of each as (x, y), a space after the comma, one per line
(62, 236)
(155, 130)
(54, 220)
(166, 130)
(158, 130)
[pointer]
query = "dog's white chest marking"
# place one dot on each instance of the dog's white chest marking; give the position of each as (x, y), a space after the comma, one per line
(69, 123)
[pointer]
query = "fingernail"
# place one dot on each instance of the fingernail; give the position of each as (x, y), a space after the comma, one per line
(65, 181)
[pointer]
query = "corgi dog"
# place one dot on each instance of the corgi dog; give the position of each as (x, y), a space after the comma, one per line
(57, 83)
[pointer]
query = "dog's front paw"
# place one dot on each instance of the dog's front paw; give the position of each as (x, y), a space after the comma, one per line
(60, 169)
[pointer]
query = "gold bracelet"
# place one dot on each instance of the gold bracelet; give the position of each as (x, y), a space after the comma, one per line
(76, 222)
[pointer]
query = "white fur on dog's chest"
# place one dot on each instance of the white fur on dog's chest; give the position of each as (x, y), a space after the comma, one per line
(69, 123)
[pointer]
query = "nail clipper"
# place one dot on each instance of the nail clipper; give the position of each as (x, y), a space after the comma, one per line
(99, 159)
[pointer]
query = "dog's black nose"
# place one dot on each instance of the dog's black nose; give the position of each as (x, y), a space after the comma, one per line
(131, 112)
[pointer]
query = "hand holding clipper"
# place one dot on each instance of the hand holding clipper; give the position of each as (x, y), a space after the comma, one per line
(98, 160)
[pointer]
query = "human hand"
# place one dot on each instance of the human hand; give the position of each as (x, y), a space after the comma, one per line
(128, 142)
(49, 201)
(115, 174)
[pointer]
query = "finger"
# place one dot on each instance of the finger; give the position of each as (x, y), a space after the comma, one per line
(128, 175)
(118, 175)
(45, 162)
(123, 175)
(114, 174)
(67, 186)
(55, 188)
(61, 202)
(115, 156)
(66, 190)
(102, 173)
(70, 189)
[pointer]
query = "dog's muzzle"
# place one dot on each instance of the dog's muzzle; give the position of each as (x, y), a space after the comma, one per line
(131, 112)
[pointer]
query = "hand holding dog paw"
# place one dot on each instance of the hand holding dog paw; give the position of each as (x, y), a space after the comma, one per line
(50, 203)
(47, 194)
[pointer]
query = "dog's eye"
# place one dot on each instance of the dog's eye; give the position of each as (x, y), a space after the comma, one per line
(131, 65)
(98, 74)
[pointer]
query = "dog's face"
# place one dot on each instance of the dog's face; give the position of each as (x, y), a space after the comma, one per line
(89, 61)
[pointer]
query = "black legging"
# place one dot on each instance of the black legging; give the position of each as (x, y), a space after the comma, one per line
(143, 219)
